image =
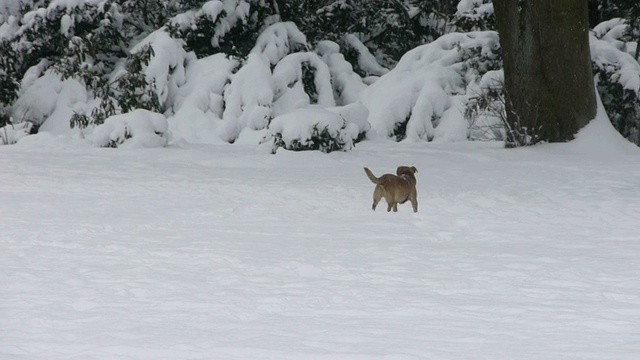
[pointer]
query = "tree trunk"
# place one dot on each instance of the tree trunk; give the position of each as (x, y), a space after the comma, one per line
(547, 67)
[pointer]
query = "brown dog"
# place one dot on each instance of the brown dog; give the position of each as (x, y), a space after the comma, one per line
(395, 189)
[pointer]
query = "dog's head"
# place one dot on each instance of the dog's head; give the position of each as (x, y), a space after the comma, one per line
(406, 170)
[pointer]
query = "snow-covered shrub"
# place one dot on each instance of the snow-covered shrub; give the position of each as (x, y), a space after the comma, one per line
(388, 28)
(347, 85)
(138, 128)
(130, 90)
(630, 11)
(280, 40)
(248, 98)
(227, 26)
(618, 78)
(10, 134)
(48, 101)
(302, 79)
(151, 72)
(364, 62)
(196, 110)
(486, 110)
(318, 129)
(91, 41)
(425, 95)
(64, 33)
(281, 75)
(475, 15)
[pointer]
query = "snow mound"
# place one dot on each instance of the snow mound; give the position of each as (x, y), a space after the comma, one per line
(600, 139)
(136, 129)
(45, 141)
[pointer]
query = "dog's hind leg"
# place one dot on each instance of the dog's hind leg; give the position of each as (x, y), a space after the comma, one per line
(377, 195)
(391, 205)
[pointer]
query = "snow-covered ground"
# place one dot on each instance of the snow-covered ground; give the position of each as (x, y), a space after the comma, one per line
(227, 252)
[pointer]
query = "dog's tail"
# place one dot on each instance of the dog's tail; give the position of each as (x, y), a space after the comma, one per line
(373, 179)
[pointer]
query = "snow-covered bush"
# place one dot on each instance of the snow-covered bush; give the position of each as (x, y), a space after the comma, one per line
(73, 64)
(139, 128)
(347, 85)
(387, 28)
(314, 128)
(486, 110)
(302, 79)
(248, 99)
(282, 74)
(10, 134)
(475, 15)
(226, 26)
(618, 78)
(196, 111)
(62, 33)
(48, 101)
(92, 42)
(425, 95)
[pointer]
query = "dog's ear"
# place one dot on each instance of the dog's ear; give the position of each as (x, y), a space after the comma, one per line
(414, 169)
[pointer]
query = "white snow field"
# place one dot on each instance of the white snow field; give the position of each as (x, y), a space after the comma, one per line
(227, 252)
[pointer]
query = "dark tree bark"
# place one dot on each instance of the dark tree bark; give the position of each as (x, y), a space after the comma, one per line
(547, 67)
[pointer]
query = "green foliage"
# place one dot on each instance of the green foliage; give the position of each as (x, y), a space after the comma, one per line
(400, 129)
(321, 139)
(389, 28)
(9, 87)
(479, 60)
(198, 36)
(308, 82)
(233, 34)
